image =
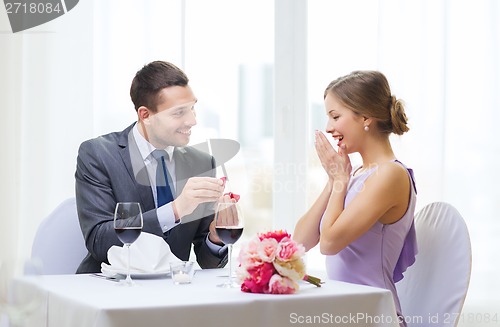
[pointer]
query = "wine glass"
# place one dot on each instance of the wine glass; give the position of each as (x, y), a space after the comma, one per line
(128, 226)
(229, 226)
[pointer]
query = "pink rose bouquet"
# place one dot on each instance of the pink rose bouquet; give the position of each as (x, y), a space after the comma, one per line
(272, 263)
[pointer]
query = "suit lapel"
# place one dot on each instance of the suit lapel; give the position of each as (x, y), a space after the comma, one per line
(183, 170)
(136, 169)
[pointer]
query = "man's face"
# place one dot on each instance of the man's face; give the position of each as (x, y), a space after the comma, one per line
(171, 124)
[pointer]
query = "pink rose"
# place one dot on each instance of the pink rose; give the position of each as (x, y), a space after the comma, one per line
(267, 249)
(282, 285)
(289, 250)
(259, 278)
(277, 235)
(249, 256)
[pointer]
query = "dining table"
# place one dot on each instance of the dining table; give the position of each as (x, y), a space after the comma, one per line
(91, 300)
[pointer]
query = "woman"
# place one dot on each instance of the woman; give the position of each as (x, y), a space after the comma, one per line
(363, 219)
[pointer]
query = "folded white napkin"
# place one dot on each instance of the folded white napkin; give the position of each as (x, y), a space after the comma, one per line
(149, 254)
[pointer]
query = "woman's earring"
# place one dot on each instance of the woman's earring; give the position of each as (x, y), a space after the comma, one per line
(367, 128)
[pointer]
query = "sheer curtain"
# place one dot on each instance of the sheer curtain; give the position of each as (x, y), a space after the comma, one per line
(46, 100)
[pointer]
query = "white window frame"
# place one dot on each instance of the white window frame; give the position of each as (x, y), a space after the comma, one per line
(291, 113)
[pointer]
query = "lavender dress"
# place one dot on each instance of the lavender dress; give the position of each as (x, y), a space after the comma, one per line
(380, 256)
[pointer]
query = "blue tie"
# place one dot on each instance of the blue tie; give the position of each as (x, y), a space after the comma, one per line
(163, 192)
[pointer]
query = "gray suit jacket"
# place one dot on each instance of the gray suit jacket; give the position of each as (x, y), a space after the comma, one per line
(110, 170)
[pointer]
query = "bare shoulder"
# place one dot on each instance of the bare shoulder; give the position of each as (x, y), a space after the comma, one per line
(393, 168)
(392, 175)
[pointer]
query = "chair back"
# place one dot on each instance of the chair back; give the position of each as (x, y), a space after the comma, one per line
(434, 288)
(58, 244)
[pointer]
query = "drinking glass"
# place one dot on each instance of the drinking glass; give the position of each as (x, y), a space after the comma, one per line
(128, 226)
(229, 226)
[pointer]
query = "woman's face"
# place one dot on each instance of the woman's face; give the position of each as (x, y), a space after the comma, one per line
(343, 124)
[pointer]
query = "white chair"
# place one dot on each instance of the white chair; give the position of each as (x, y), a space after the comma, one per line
(59, 243)
(434, 288)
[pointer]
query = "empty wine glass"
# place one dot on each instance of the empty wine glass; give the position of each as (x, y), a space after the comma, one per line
(229, 226)
(128, 226)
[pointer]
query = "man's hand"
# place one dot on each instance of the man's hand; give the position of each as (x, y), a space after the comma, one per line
(196, 191)
(213, 237)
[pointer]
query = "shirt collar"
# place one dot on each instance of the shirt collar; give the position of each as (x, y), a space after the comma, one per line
(145, 148)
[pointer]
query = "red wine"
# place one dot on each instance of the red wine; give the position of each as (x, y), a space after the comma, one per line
(128, 236)
(229, 234)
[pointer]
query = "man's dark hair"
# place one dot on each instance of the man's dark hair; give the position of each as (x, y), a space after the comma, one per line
(151, 79)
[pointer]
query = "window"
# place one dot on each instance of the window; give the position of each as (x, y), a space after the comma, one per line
(229, 57)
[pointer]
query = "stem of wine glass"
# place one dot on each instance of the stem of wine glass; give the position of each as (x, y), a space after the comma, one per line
(229, 262)
(128, 280)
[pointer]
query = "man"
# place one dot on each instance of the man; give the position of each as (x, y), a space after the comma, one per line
(122, 167)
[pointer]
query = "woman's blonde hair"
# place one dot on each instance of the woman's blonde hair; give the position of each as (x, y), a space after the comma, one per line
(367, 93)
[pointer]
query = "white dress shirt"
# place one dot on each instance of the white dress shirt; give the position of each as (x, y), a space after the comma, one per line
(165, 213)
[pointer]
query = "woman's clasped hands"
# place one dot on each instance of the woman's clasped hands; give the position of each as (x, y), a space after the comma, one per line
(336, 163)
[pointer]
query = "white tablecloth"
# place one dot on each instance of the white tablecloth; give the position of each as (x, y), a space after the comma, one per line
(85, 301)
